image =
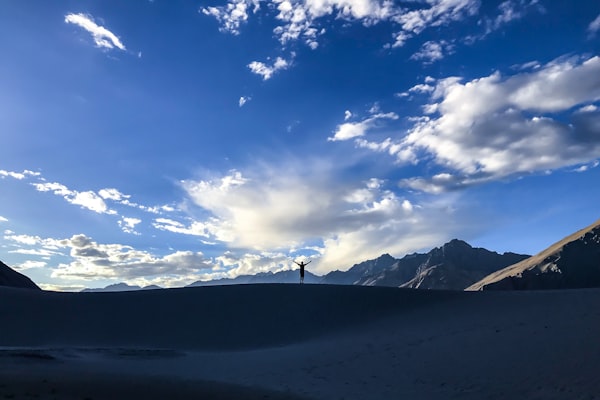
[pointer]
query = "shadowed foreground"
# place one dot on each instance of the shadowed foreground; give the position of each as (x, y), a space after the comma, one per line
(312, 341)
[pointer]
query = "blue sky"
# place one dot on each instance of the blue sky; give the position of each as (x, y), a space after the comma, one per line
(163, 142)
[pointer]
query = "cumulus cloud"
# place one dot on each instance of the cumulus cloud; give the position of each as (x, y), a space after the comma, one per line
(275, 209)
(267, 70)
(496, 126)
(102, 36)
(92, 260)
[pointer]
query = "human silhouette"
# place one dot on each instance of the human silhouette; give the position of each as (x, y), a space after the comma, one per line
(302, 264)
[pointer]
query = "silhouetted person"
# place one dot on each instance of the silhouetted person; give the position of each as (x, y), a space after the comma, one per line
(302, 264)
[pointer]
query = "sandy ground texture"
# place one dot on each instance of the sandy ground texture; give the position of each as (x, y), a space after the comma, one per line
(312, 342)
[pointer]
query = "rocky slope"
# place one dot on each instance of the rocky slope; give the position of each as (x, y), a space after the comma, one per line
(10, 277)
(573, 262)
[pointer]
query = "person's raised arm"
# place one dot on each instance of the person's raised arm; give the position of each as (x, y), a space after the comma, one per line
(309, 261)
(296, 263)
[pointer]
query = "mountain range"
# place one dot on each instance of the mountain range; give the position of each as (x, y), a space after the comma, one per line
(454, 266)
(121, 287)
(573, 262)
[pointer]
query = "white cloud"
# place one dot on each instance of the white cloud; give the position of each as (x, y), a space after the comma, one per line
(243, 100)
(594, 26)
(195, 228)
(88, 200)
(3, 219)
(347, 115)
(92, 260)
(102, 36)
(232, 15)
(112, 194)
(17, 175)
(30, 264)
(91, 201)
(303, 20)
(128, 224)
(495, 126)
(267, 71)
(422, 88)
(279, 208)
(433, 51)
(350, 130)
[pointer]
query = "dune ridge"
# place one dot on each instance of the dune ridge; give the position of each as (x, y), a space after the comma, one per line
(312, 342)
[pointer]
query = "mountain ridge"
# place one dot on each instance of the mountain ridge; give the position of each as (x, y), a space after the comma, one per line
(572, 262)
(12, 278)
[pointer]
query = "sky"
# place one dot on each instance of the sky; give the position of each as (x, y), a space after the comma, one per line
(165, 142)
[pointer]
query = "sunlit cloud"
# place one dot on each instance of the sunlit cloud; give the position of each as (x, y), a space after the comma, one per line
(277, 209)
(496, 126)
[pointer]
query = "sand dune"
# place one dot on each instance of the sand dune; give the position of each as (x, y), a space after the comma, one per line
(312, 341)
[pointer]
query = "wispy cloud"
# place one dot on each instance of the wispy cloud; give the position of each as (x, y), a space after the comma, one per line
(303, 20)
(433, 51)
(594, 26)
(102, 36)
(3, 219)
(88, 199)
(351, 130)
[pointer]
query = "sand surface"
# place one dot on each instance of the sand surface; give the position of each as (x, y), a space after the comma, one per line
(313, 342)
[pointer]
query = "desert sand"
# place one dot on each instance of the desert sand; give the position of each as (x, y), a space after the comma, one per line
(300, 342)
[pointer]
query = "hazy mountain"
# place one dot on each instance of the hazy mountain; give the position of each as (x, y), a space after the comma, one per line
(10, 277)
(121, 287)
(455, 265)
(263, 277)
(573, 262)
